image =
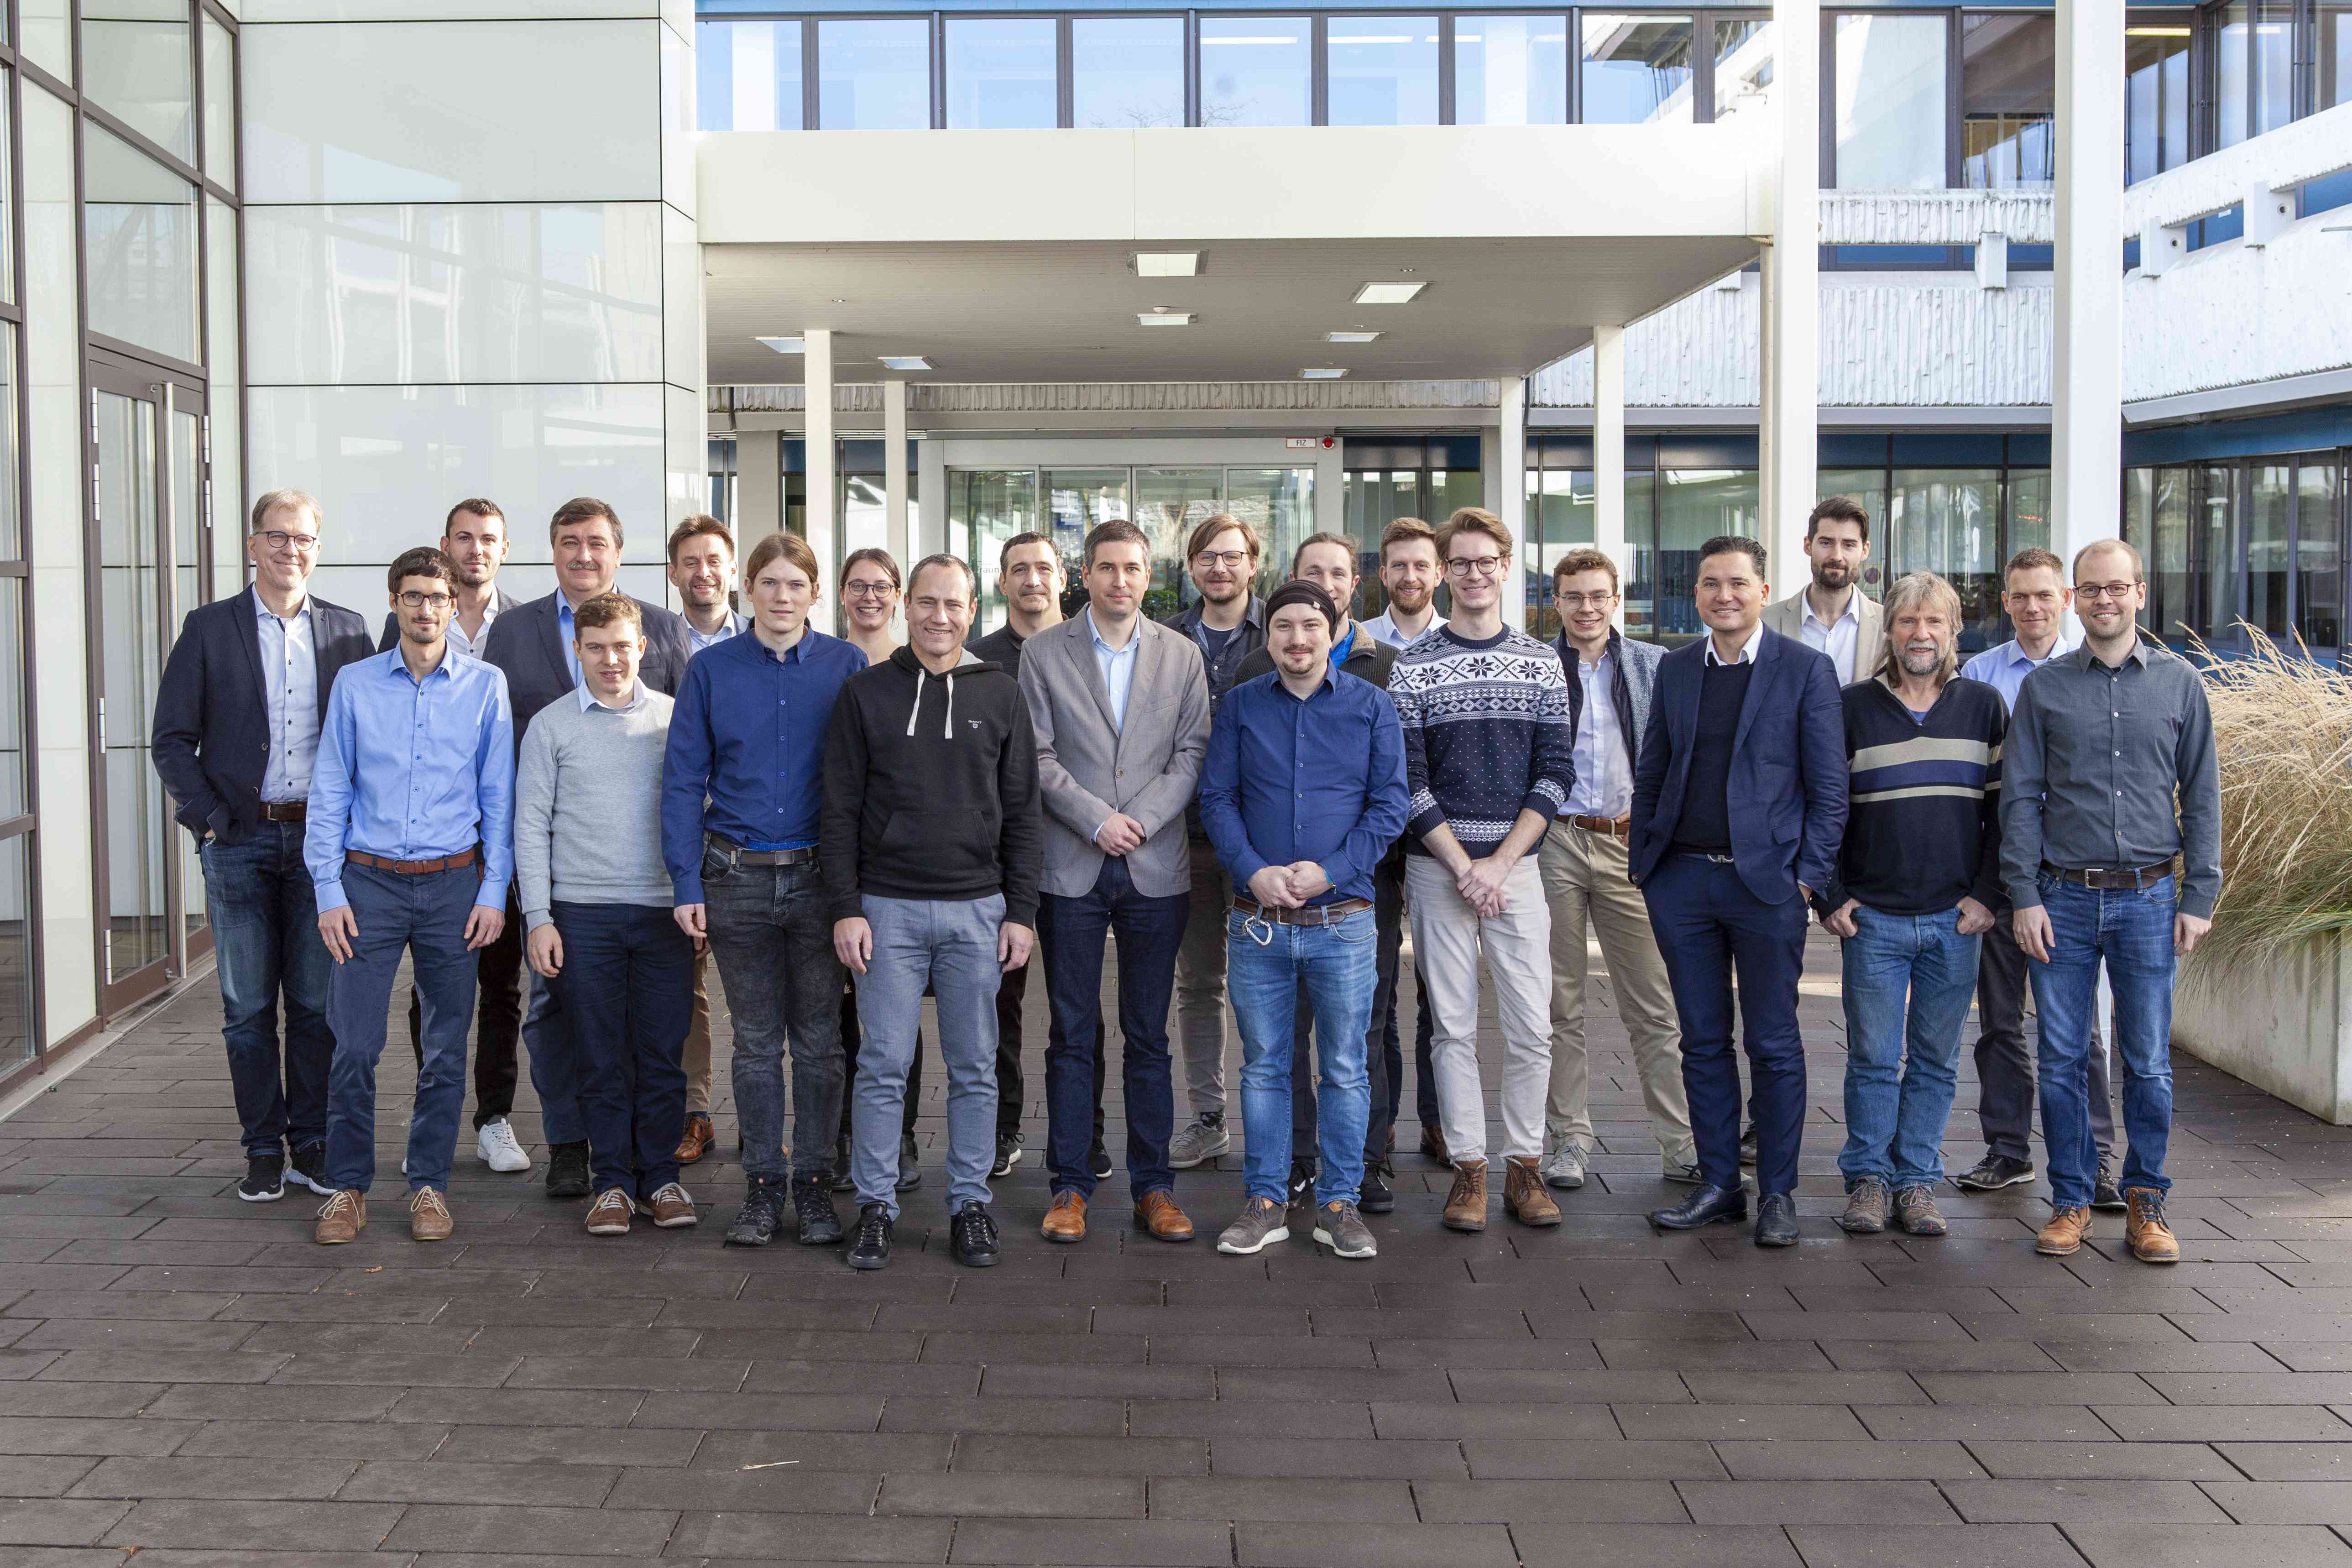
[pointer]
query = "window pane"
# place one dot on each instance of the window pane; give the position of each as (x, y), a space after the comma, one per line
(1636, 69)
(2155, 93)
(2232, 77)
(2335, 54)
(2275, 27)
(1127, 70)
(2170, 562)
(2266, 539)
(139, 224)
(874, 75)
(1867, 486)
(2318, 555)
(220, 103)
(2008, 86)
(1743, 68)
(747, 76)
(1280, 504)
(12, 537)
(2213, 498)
(1255, 71)
(1890, 103)
(1948, 520)
(135, 62)
(7, 202)
(985, 507)
(1074, 500)
(1383, 70)
(1170, 501)
(1510, 70)
(1001, 73)
(1559, 518)
(16, 954)
(12, 801)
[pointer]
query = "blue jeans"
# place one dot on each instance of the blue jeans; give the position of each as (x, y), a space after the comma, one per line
(1073, 932)
(2132, 932)
(1907, 982)
(773, 941)
(949, 945)
(627, 993)
(265, 921)
(1340, 963)
(424, 917)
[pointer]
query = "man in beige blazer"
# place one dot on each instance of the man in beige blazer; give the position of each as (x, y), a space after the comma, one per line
(1830, 614)
(1121, 708)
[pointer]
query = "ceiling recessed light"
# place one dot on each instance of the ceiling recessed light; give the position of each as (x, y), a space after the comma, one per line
(905, 361)
(1167, 264)
(786, 345)
(1321, 373)
(1164, 319)
(1388, 293)
(1349, 337)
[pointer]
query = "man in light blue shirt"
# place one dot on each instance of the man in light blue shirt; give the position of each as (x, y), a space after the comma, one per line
(289, 679)
(1118, 666)
(410, 846)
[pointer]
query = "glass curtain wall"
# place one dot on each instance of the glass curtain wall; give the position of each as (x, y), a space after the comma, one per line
(1127, 71)
(1381, 71)
(748, 75)
(874, 74)
(18, 1035)
(1635, 69)
(2156, 93)
(1257, 70)
(2009, 87)
(2254, 543)
(1889, 93)
(1001, 73)
(1510, 70)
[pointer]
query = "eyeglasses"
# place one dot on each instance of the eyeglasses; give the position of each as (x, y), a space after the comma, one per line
(1480, 565)
(1227, 558)
(1577, 601)
(279, 539)
(414, 601)
(868, 590)
(2094, 591)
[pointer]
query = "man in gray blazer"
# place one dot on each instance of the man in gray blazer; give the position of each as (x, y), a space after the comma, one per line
(1121, 708)
(1830, 614)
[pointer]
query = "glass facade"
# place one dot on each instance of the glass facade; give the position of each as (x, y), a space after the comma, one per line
(748, 75)
(1743, 66)
(2009, 89)
(1382, 70)
(1889, 94)
(2156, 93)
(874, 74)
(1257, 70)
(1635, 69)
(1127, 71)
(1001, 73)
(2254, 543)
(1510, 70)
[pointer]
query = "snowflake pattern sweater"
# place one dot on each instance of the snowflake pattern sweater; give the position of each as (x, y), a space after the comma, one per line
(1487, 734)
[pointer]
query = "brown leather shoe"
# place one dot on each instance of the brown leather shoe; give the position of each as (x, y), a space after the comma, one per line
(2150, 1239)
(1066, 1218)
(1523, 1193)
(340, 1219)
(672, 1206)
(2064, 1234)
(1466, 1205)
(698, 1141)
(609, 1215)
(1158, 1212)
(1432, 1142)
(428, 1215)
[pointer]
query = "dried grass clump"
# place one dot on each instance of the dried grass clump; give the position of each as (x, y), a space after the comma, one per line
(2282, 732)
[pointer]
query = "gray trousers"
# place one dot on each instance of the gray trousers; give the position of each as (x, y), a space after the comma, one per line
(949, 945)
(1200, 983)
(2005, 1068)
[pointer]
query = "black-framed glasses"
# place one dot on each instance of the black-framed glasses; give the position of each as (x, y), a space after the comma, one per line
(279, 539)
(416, 601)
(2094, 591)
(1483, 565)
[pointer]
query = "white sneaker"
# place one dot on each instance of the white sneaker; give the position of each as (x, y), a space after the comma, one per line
(1564, 1167)
(495, 1146)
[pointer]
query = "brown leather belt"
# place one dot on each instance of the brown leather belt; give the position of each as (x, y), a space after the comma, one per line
(413, 867)
(1607, 827)
(2104, 880)
(1313, 915)
(284, 810)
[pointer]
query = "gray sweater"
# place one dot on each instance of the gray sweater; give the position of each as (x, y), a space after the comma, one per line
(588, 805)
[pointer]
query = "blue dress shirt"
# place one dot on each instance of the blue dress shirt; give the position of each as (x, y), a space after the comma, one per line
(1321, 780)
(745, 758)
(564, 633)
(414, 770)
(2004, 669)
(290, 680)
(695, 641)
(1118, 668)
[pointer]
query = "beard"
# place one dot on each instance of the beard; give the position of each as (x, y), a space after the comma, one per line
(1922, 663)
(473, 576)
(1410, 600)
(1833, 573)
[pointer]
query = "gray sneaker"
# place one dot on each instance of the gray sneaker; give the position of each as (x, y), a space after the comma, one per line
(1198, 1141)
(1865, 1207)
(1682, 1168)
(1262, 1223)
(1563, 1168)
(1339, 1226)
(1916, 1212)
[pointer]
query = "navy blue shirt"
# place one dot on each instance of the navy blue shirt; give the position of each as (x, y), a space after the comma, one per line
(1321, 780)
(747, 749)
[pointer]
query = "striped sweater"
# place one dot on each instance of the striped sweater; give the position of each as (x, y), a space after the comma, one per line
(1487, 734)
(1923, 829)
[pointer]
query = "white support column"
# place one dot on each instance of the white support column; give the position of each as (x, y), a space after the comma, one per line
(931, 488)
(1509, 492)
(900, 541)
(816, 378)
(2087, 413)
(1794, 300)
(758, 488)
(1609, 453)
(1765, 472)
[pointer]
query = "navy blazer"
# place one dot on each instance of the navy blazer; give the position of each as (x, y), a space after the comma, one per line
(1788, 767)
(527, 643)
(389, 639)
(211, 735)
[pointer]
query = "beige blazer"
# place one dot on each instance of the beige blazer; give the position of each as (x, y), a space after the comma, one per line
(1087, 768)
(1786, 616)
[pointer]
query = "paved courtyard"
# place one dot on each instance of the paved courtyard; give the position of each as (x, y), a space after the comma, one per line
(185, 1379)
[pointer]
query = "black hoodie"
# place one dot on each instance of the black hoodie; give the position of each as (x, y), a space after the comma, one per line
(930, 788)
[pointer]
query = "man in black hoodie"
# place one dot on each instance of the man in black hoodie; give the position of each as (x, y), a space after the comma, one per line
(932, 849)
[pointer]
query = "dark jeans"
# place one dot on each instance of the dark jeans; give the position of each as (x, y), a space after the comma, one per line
(1708, 925)
(2005, 1064)
(773, 941)
(1073, 931)
(1009, 1085)
(1380, 1039)
(1425, 1077)
(265, 920)
(853, 1037)
(424, 917)
(627, 985)
(498, 987)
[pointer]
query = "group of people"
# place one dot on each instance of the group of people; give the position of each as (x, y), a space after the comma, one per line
(566, 808)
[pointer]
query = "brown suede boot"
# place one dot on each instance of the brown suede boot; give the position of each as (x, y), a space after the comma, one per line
(1524, 1197)
(2064, 1234)
(1466, 1205)
(2150, 1238)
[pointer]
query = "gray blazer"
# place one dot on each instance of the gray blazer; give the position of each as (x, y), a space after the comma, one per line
(1786, 616)
(1086, 769)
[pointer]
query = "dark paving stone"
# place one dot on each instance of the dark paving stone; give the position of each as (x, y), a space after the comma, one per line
(2214, 1423)
(1890, 1460)
(404, 1480)
(1014, 1495)
(584, 1532)
(1888, 1504)
(2071, 1502)
(1108, 1543)
(284, 1478)
(283, 1526)
(1968, 1423)
(1525, 1458)
(2284, 1502)
(897, 1452)
(1658, 1546)
(1804, 1423)
(1277, 1545)
(43, 1475)
(1257, 1498)
(1498, 1421)
(69, 1435)
(2288, 1461)
(1622, 1503)
(1090, 1456)
(2115, 1461)
(52, 1521)
(1398, 1459)
(811, 1537)
(1039, 1417)
(1934, 1546)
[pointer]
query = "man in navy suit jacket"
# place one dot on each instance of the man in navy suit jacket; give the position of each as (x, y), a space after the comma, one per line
(1739, 801)
(237, 726)
(532, 643)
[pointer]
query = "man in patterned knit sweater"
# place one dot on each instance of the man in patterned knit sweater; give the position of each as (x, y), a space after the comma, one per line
(1490, 759)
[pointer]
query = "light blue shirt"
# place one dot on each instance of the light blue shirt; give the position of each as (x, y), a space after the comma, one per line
(637, 695)
(414, 770)
(564, 634)
(1384, 629)
(2005, 667)
(1118, 666)
(1605, 783)
(696, 641)
(290, 676)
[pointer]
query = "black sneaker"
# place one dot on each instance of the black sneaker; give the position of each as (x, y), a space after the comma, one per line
(567, 1170)
(1375, 1196)
(843, 1181)
(910, 1172)
(1748, 1144)
(2106, 1196)
(265, 1179)
(308, 1166)
(1008, 1154)
(1994, 1172)
(1098, 1161)
(761, 1215)
(1302, 1183)
(812, 1207)
(872, 1247)
(972, 1236)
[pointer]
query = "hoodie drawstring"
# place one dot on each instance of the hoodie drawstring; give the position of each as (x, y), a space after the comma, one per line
(947, 728)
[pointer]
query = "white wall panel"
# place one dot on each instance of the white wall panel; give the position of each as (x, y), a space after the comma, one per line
(678, 120)
(441, 10)
(682, 297)
(2235, 314)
